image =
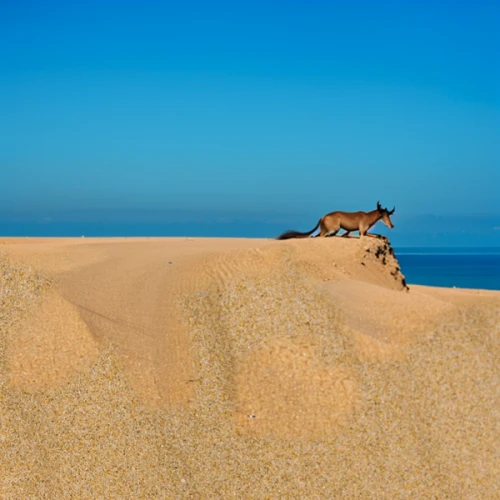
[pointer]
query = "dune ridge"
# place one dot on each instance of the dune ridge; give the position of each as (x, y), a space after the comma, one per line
(301, 369)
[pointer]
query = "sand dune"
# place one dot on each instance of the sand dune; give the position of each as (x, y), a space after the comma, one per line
(50, 346)
(237, 368)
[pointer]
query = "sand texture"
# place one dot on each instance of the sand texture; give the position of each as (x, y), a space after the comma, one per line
(240, 368)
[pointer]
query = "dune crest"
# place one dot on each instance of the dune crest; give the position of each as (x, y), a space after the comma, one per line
(369, 260)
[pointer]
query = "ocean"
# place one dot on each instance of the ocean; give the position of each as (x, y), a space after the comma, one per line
(451, 267)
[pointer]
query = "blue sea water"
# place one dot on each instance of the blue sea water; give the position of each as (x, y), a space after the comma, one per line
(451, 267)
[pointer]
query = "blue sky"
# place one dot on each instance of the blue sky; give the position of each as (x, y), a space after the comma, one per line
(259, 109)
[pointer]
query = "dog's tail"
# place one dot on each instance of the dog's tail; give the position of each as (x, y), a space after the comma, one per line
(296, 234)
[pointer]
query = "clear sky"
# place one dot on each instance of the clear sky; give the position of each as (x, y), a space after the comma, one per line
(255, 107)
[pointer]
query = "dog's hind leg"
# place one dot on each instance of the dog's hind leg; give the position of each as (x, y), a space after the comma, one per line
(331, 233)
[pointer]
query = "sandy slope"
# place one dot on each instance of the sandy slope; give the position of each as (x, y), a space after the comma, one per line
(187, 367)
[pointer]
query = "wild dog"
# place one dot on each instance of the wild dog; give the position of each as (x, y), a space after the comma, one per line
(331, 223)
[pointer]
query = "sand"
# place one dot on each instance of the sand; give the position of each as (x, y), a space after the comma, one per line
(241, 368)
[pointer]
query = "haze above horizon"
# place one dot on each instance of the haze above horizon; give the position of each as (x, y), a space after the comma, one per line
(250, 108)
